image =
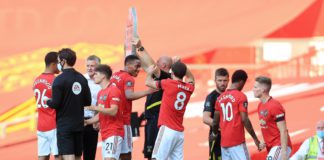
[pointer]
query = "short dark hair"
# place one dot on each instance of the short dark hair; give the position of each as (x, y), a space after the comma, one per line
(130, 58)
(265, 81)
(104, 69)
(239, 75)
(221, 72)
(51, 57)
(69, 55)
(94, 58)
(179, 69)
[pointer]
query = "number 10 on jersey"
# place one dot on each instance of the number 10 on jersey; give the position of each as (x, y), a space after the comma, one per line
(227, 111)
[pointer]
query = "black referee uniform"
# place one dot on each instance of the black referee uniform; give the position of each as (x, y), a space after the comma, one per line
(70, 93)
(214, 146)
(152, 110)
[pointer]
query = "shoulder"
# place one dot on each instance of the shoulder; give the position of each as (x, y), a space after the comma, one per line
(275, 104)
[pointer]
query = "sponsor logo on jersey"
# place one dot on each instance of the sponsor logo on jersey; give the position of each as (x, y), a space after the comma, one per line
(76, 88)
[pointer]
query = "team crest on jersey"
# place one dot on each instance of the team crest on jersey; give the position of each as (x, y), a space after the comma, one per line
(76, 88)
(129, 84)
(264, 113)
(104, 97)
(208, 104)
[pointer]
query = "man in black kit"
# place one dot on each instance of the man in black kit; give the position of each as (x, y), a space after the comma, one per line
(70, 94)
(221, 80)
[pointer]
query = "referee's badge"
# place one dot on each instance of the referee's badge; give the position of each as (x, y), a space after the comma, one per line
(76, 88)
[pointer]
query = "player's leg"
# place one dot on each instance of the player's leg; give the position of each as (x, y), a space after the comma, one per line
(217, 148)
(239, 152)
(111, 148)
(177, 152)
(275, 153)
(90, 140)
(54, 149)
(43, 145)
(151, 132)
(226, 154)
(127, 144)
(164, 144)
(78, 144)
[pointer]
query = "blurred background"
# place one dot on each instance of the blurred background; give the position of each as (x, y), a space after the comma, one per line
(283, 39)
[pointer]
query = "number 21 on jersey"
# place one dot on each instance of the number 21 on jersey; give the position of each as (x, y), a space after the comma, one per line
(227, 111)
(41, 98)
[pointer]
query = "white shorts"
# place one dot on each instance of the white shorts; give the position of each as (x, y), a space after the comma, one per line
(47, 143)
(238, 152)
(111, 147)
(127, 144)
(168, 144)
(275, 153)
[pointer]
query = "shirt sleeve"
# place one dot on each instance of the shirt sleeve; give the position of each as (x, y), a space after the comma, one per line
(302, 151)
(129, 83)
(209, 104)
(277, 112)
(217, 107)
(243, 103)
(57, 94)
(87, 94)
(163, 83)
(115, 96)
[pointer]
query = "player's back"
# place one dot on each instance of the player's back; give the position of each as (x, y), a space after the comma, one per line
(230, 104)
(174, 101)
(123, 80)
(42, 88)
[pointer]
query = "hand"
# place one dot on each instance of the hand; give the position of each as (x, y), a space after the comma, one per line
(96, 126)
(91, 108)
(176, 59)
(152, 90)
(212, 137)
(262, 145)
(85, 122)
(151, 69)
(136, 42)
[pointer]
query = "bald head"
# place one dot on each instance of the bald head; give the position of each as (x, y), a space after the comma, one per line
(164, 63)
(320, 125)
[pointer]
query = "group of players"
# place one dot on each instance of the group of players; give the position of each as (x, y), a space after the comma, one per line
(226, 112)
(61, 103)
(62, 100)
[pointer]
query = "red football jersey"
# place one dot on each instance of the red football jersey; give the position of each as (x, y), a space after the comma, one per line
(43, 88)
(110, 125)
(270, 113)
(176, 95)
(124, 81)
(230, 104)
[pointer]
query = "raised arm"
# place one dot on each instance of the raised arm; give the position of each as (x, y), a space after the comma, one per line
(189, 77)
(150, 82)
(144, 56)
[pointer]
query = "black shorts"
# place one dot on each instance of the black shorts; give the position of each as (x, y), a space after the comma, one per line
(151, 132)
(70, 143)
(215, 148)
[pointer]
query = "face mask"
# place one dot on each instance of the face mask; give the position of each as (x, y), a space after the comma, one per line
(59, 67)
(320, 134)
